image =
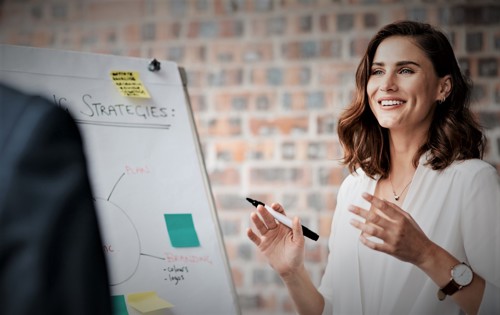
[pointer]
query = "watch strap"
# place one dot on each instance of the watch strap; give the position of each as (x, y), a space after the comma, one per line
(448, 289)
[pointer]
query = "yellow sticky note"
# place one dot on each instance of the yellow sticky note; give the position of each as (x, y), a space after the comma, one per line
(148, 301)
(129, 84)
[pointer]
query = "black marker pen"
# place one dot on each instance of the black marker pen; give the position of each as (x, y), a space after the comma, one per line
(284, 219)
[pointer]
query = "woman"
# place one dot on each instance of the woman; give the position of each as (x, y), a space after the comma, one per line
(417, 223)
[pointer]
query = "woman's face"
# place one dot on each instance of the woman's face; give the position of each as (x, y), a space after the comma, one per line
(403, 87)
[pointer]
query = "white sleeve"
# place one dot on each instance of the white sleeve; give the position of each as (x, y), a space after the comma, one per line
(481, 231)
(491, 300)
(326, 286)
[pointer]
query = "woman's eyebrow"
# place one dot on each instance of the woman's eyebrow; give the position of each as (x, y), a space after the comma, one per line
(399, 63)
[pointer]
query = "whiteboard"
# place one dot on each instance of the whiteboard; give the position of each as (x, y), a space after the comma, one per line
(160, 230)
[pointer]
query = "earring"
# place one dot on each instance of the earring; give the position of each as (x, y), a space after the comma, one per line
(441, 101)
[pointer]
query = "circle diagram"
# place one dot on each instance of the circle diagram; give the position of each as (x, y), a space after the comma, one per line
(120, 239)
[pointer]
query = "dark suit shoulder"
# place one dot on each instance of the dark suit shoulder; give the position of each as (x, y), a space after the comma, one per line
(20, 114)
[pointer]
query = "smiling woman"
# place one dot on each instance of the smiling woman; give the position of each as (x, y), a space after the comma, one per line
(403, 90)
(416, 221)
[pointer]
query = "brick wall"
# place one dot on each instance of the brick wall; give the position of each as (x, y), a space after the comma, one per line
(267, 80)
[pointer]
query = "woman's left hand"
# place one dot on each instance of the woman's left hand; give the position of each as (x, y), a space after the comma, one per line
(401, 235)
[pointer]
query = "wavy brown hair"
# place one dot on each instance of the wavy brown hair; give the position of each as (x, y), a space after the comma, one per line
(453, 135)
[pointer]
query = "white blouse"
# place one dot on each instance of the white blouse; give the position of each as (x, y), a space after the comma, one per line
(458, 208)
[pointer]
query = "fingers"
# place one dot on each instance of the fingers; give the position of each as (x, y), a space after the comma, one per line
(372, 217)
(381, 229)
(269, 220)
(373, 229)
(278, 207)
(263, 221)
(373, 243)
(261, 227)
(389, 208)
(253, 237)
(367, 229)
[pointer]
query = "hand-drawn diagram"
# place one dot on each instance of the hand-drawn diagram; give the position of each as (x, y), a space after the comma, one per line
(121, 241)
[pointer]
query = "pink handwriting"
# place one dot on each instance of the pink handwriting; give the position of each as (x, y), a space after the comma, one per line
(131, 170)
(171, 258)
(107, 248)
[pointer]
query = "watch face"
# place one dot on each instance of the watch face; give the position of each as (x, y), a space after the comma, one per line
(462, 274)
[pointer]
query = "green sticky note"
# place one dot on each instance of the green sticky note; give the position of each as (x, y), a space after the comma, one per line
(119, 305)
(181, 230)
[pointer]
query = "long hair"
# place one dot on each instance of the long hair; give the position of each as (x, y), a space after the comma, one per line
(453, 135)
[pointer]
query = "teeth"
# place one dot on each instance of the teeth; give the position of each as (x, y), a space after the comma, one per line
(391, 103)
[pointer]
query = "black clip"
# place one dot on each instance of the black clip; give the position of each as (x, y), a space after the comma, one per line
(154, 65)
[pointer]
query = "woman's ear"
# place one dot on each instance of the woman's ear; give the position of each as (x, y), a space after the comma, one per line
(445, 86)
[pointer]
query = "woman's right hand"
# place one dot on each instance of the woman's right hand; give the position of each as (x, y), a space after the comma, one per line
(283, 247)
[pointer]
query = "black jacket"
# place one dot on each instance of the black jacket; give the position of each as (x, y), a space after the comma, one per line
(51, 258)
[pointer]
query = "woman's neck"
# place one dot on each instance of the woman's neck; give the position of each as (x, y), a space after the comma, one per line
(403, 149)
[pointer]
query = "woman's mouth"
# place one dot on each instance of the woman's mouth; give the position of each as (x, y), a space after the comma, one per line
(391, 102)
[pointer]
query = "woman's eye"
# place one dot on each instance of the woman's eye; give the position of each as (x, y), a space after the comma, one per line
(405, 71)
(377, 72)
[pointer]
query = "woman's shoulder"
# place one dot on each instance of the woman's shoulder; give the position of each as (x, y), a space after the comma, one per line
(471, 167)
(354, 179)
(471, 172)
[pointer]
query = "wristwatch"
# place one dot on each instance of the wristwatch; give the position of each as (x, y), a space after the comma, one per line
(461, 276)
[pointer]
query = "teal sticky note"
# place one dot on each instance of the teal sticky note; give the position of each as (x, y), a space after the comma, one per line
(119, 305)
(181, 230)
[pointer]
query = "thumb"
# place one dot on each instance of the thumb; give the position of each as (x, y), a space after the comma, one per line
(297, 229)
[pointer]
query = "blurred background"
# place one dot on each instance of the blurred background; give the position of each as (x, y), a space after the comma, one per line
(267, 80)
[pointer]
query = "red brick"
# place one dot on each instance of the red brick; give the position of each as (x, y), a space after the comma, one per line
(195, 78)
(302, 24)
(325, 225)
(287, 176)
(131, 33)
(331, 176)
(262, 149)
(252, 101)
(327, 124)
(194, 54)
(225, 177)
(358, 46)
(268, 26)
(226, 126)
(104, 10)
(332, 74)
(198, 102)
(268, 301)
(259, 76)
(326, 23)
(166, 30)
(231, 250)
(281, 125)
(257, 51)
(297, 75)
(234, 151)
(193, 29)
(231, 28)
(288, 306)
(42, 38)
(238, 277)
(313, 253)
(225, 52)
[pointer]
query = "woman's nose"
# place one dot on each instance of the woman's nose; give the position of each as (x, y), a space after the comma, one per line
(388, 83)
